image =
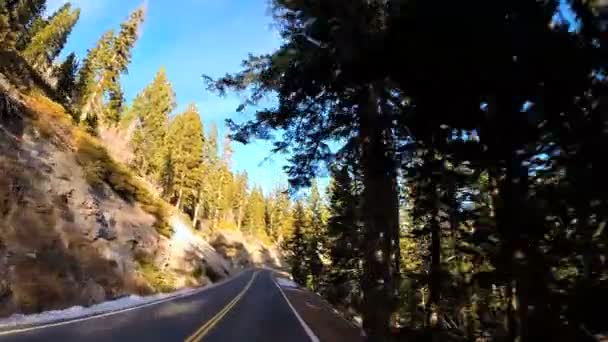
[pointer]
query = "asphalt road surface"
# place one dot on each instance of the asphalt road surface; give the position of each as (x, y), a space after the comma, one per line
(249, 307)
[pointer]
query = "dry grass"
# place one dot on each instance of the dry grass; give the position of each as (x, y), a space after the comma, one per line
(51, 120)
(159, 281)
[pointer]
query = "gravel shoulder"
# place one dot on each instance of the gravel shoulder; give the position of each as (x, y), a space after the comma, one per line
(322, 319)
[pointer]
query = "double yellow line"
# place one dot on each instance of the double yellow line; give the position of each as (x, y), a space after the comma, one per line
(204, 330)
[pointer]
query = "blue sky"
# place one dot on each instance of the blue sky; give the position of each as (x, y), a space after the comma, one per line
(190, 38)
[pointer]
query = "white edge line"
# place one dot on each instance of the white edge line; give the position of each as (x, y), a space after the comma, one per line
(101, 315)
(307, 329)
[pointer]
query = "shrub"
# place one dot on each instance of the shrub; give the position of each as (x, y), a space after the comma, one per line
(51, 119)
(198, 272)
(156, 278)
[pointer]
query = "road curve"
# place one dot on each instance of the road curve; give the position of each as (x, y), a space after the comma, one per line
(249, 307)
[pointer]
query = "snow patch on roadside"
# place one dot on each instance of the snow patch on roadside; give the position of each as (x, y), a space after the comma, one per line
(287, 283)
(76, 312)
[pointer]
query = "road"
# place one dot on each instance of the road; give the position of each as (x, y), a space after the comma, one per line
(249, 307)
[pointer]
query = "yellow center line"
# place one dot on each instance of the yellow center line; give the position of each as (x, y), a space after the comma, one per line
(205, 328)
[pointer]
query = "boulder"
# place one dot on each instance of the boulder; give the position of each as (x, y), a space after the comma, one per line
(107, 227)
(93, 293)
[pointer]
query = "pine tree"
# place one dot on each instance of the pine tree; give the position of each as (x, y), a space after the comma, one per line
(37, 25)
(278, 215)
(296, 246)
(227, 149)
(4, 24)
(211, 147)
(114, 104)
(239, 198)
(185, 143)
(124, 43)
(48, 42)
(324, 96)
(315, 234)
(271, 228)
(65, 31)
(113, 64)
(167, 172)
(66, 77)
(223, 193)
(92, 67)
(214, 175)
(255, 211)
(26, 12)
(344, 243)
(152, 108)
(20, 16)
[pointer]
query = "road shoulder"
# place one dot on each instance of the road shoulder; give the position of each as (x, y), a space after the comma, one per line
(322, 319)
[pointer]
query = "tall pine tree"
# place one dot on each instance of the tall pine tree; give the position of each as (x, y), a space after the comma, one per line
(4, 24)
(114, 104)
(255, 211)
(296, 246)
(184, 145)
(240, 186)
(151, 109)
(92, 66)
(49, 41)
(39, 23)
(315, 235)
(113, 64)
(324, 96)
(279, 220)
(344, 243)
(66, 77)
(19, 16)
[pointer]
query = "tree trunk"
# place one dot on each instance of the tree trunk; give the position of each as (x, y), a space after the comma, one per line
(381, 217)
(179, 198)
(435, 271)
(432, 170)
(509, 321)
(514, 221)
(216, 215)
(196, 210)
(216, 218)
(239, 217)
(84, 114)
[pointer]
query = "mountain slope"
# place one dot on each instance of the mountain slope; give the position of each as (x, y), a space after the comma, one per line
(76, 226)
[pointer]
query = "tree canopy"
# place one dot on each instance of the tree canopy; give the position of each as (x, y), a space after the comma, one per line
(462, 105)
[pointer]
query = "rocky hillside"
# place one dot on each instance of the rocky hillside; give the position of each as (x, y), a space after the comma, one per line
(77, 227)
(243, 252)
